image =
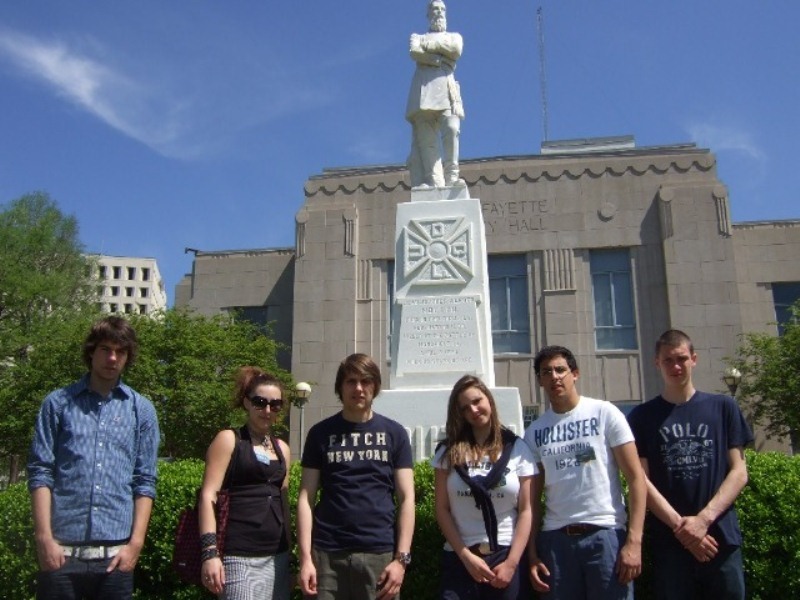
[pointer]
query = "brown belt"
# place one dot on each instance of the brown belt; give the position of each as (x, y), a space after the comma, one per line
(581, 528)
(483, 549)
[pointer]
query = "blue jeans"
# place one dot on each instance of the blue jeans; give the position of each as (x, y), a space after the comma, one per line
(582, 566)
(678, 576)
(84, 580)
(458, 584)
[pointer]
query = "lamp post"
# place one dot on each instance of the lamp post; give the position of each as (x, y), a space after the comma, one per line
(302, 392)
(732, 377)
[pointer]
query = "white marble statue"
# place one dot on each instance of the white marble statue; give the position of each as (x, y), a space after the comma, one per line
(434, 105)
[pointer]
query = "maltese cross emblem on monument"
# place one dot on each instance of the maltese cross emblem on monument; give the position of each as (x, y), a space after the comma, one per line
(438, 251)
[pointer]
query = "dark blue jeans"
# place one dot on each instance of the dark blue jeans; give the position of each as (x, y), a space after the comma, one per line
(678, 576)
(582, 566)
(458, 584)
(84, 580)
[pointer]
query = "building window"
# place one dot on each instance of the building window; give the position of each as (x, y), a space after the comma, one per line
(784, 295)
(142, 309)
(131, 273)
(129, 292)
(129, 308)
(529, 414)
(102, 271)
(112, 308)
(508, 300)
(115, 290)
(143, 292)
(117, 272)
(614, 320)
(145, 274)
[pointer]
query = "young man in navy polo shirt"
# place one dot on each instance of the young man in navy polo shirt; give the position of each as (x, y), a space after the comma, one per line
(691, 445)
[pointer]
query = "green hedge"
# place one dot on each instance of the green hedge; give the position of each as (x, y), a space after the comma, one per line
(768, 511)
(769, 514)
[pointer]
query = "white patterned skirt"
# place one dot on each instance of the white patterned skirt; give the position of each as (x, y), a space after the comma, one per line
(256, 577)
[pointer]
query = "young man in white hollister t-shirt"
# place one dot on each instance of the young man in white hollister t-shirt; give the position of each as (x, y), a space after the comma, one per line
(581, 548)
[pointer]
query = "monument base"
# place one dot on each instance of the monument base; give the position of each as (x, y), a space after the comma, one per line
(441, 317)
(423, 413)
(428, 194)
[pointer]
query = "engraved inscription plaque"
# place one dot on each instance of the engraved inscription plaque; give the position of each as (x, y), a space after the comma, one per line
(440, 334)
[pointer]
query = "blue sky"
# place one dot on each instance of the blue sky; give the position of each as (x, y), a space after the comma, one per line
(162, 124)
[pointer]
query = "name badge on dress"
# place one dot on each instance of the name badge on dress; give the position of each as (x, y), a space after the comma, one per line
(262, 457)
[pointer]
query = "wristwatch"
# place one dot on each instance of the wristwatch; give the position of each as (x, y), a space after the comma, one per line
(404, 558)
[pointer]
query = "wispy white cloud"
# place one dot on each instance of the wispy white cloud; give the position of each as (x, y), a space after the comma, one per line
(176, 113)
(727, 138)
(742, 162)
(104, 92)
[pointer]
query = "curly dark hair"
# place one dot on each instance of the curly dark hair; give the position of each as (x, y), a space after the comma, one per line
(115, 330)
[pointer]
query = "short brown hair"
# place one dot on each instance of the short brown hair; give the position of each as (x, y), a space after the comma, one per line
(672, 338)
(363, 366)
(115, 330)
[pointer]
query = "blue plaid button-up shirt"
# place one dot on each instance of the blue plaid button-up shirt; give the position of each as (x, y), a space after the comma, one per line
(96, 455)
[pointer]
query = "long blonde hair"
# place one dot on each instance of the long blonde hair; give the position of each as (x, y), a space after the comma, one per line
(461, 443)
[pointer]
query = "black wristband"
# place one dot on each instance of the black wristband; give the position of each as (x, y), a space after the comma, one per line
(208, 539)
(208, 553)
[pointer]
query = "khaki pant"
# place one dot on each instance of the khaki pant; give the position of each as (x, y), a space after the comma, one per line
(349, 575)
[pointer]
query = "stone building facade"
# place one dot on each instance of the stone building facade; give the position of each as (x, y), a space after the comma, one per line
(596, 245)
(129, 284)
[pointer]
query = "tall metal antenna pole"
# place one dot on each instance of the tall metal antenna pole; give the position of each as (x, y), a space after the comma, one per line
(542, 73)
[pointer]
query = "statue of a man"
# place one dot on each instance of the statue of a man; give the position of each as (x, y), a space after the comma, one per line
(434, 103)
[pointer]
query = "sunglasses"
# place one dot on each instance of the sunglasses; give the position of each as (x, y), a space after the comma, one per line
(275, 404)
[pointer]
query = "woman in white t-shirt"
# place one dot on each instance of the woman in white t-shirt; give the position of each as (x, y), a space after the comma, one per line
(483, 488)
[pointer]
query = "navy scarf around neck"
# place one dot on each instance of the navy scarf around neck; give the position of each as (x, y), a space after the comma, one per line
(481, 486)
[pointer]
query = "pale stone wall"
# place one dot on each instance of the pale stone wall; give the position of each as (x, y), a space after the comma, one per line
(554, 209)
(692, 269)
(226, 280)
(766, 253)
(129, 284)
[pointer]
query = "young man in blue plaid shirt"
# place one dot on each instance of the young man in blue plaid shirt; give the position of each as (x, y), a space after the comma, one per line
(92, 474)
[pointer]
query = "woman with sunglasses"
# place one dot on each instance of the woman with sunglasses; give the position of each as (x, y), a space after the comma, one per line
(253, 465)
(482, 484)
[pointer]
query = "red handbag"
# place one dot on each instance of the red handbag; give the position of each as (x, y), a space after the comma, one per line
(186, 555)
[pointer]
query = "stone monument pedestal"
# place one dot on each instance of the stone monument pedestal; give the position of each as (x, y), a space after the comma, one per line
(441, 319)
(441, 322)
(423, 413)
